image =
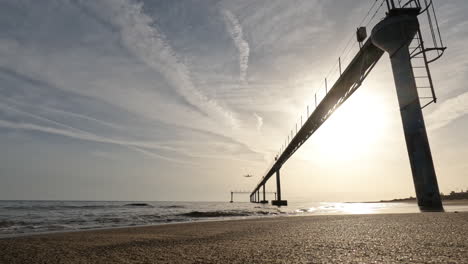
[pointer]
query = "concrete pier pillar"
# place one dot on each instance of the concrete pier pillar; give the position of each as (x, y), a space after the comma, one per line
(278, 185)
(393, 35)
(264, 201)
(264, 196)
(278, 201)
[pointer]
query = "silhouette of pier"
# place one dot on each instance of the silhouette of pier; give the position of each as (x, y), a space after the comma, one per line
(255, 197)
(399, 34)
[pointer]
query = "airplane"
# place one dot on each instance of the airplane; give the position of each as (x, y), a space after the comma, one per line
(248, 176)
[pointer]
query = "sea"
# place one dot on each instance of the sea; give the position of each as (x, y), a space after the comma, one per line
(18, 218)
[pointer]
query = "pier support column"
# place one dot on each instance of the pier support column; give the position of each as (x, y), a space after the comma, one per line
(278, 185)
(394, 35)
(264, 197)
(264, 201)
(278, 201)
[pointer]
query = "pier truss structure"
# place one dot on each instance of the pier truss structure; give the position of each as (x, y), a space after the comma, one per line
(400, 35)
(255, 198)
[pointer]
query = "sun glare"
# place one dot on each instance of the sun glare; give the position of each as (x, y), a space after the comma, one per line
(354, 128)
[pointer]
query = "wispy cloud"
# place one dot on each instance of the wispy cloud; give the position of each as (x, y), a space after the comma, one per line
(183, 149)
(80, 116)
(448, 111)
(140, 35)
(259, 121)
(87, 137)
(235, 31)
(76, 133)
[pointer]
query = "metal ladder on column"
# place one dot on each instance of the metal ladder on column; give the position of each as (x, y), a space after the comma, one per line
(422, 73)
(419, 52)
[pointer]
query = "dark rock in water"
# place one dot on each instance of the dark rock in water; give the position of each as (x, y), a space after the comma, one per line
(215, 214)
(137, 204)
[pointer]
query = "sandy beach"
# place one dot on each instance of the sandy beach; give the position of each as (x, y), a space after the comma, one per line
(404, 238)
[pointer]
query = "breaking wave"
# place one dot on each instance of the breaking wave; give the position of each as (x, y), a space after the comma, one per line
(172, 207)
(27, 217)
(139, 204)
(199, 214)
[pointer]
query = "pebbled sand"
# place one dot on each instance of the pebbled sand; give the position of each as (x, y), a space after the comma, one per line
(398, 238)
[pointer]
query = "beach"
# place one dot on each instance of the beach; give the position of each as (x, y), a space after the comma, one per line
(379, 238)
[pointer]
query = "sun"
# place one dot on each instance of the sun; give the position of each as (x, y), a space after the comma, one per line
(353, 128)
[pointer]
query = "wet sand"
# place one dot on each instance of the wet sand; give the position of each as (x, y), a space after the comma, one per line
(445, 202)
(455, 202)
(402, 238)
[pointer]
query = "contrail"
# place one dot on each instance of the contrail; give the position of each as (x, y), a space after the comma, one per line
(448, 111)
(140, 35)
(235, 30)
(86, 137)
(76, 133)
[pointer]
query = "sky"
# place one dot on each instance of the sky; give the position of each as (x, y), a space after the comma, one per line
(177, 100)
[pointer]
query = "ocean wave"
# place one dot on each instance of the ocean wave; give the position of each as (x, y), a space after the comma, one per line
(172, 207)
(58, 207)
(266, 213)
(139, 204)
(198, 214)
(43, 216)
(6, 224)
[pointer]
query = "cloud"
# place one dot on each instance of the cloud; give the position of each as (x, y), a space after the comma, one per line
(140, 35)
(7, 107)
(259, 121)
(235, 31)
(189, 147)
(448, 111)
(80, 116)
(87, 137)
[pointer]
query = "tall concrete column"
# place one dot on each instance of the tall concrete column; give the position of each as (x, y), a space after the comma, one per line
(264, 196)
(278, 200)
(393, 35)
(278, 186)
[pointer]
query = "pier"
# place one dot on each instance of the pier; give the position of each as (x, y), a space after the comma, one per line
(399, 34)
(256, 198)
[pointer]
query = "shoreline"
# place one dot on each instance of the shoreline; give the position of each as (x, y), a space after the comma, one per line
(21, 235)
(417, 237)
(213, 220)
(413, 201)
(462, 202)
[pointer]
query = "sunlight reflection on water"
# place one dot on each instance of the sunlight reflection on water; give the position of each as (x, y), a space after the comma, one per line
(358, 208)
